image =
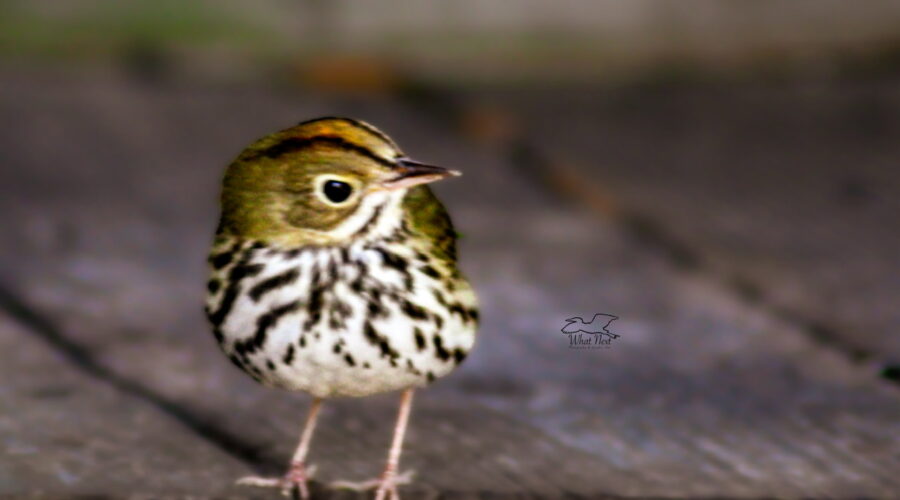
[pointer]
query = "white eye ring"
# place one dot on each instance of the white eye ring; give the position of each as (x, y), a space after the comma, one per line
(322, 181)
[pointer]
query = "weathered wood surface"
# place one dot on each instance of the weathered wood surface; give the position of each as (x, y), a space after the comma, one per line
(789, 193)
(109, 203)
(65, 432)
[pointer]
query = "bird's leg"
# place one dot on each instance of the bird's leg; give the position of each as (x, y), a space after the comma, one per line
(298, 474)
(389, 478)
(387, 484)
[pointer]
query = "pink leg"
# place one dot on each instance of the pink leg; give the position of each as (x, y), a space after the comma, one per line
(298, 474)
(387, 484)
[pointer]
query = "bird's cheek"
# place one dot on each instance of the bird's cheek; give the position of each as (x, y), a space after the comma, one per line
(316, 216)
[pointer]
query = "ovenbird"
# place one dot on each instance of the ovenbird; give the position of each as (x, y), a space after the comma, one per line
(333, 271)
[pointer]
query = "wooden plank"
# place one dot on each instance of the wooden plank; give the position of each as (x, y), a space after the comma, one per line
(65, 433)
(785, 191)
(127, 285)
(701, 395)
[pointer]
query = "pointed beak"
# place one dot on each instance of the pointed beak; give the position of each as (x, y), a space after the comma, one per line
(411, 173)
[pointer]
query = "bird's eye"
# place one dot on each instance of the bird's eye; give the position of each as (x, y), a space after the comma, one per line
(337, 191)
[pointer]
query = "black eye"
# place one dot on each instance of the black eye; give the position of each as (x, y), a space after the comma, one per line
(337, 191)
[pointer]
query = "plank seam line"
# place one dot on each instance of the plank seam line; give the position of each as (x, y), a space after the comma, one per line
(448, 109)
(650, 232)
(82, 359)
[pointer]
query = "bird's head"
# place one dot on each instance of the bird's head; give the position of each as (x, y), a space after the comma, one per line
(320, 182)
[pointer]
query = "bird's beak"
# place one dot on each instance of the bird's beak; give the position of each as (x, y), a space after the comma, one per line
(411, 173)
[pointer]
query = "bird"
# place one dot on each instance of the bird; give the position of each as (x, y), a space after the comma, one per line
(597, 324)
(333, 271)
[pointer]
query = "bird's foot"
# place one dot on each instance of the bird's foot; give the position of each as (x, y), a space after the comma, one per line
(294, 482)
(385, 486)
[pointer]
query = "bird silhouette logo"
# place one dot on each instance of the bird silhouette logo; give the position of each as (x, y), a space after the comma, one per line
(598, 324)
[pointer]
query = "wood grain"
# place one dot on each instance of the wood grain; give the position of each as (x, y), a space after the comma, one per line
(110, 207)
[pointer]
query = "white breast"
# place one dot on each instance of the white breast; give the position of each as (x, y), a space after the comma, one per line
(365, 340)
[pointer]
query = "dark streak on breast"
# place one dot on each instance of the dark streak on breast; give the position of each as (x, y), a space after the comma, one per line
(273, 283)
(263, 324)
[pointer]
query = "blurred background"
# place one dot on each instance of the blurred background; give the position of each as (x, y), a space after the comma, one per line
(721, 175)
